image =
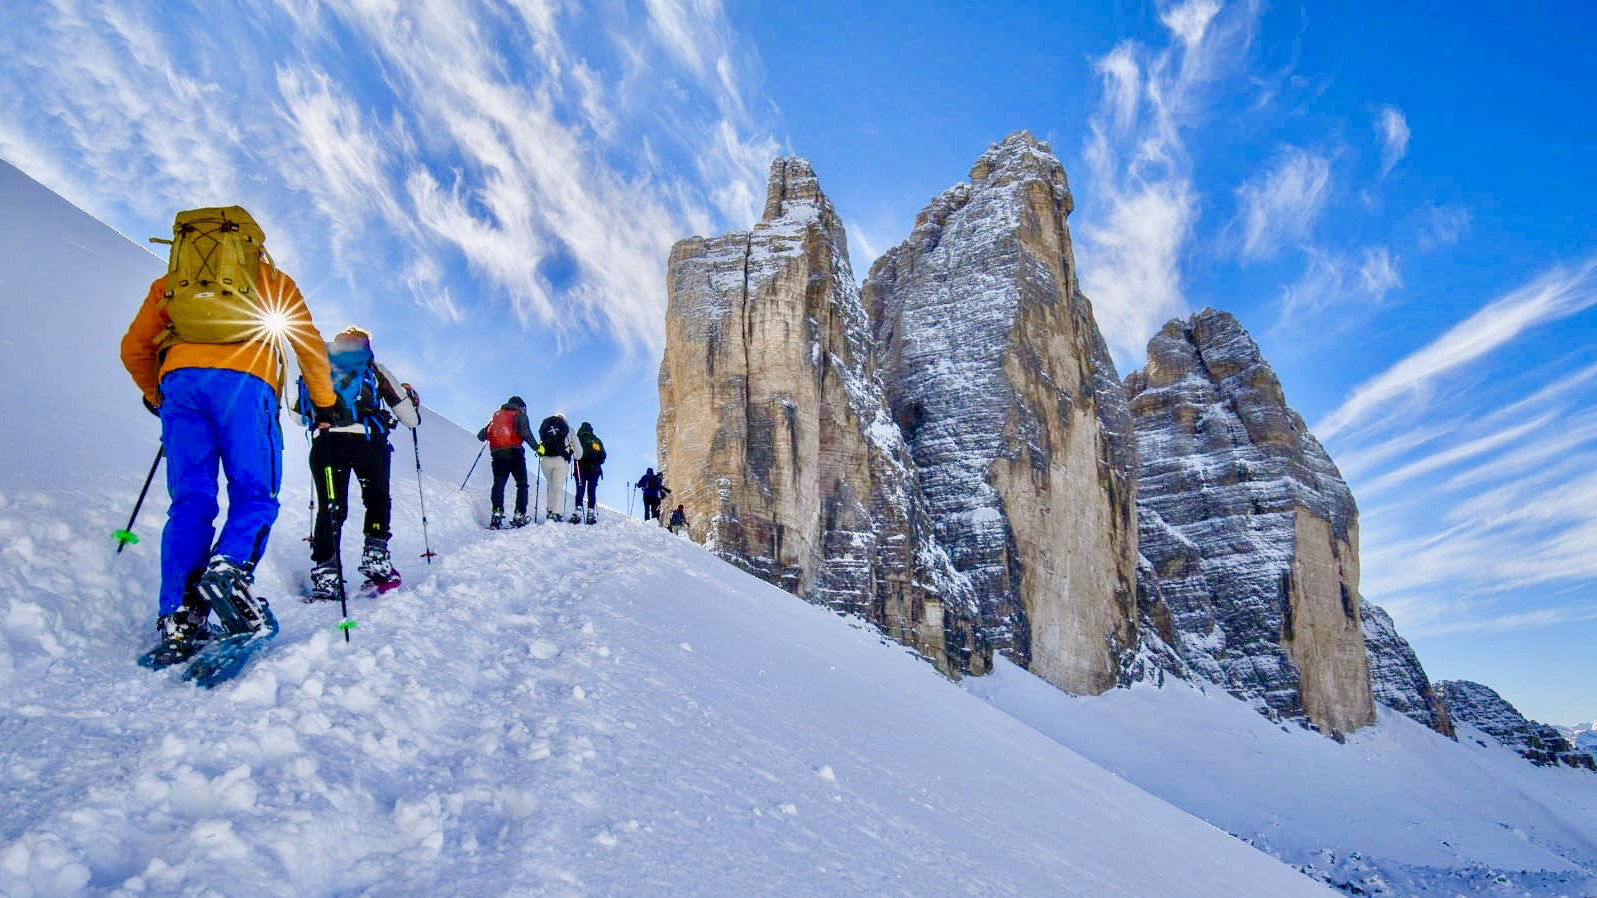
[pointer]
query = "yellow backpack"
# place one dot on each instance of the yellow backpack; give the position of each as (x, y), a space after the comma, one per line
(211, 295)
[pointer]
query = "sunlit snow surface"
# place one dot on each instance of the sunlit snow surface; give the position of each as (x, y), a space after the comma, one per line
(560, 710)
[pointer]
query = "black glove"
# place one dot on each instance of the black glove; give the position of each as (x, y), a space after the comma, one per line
(415, 400)
(326, 416)
(151, 407)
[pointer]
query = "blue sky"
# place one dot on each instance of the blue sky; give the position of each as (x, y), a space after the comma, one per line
(1396, 204)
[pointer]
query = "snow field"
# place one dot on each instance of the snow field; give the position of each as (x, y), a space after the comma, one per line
(559, 710)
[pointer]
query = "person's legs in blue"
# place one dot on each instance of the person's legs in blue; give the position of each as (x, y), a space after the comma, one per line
(189, 436)
(245, 409)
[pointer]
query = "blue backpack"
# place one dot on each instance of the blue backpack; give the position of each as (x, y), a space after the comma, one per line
(354, 376)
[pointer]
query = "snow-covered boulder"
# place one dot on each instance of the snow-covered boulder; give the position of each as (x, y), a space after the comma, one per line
(1004, 388)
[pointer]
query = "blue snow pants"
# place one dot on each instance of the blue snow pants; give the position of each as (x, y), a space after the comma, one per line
(212, 417)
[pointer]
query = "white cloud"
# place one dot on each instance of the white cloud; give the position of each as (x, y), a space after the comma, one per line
(1281, 205)
(1554, 295)
(1392, 128)
(1140, 205)
(422, 131)
(1443, 226)
(1377, 273)
(1332, 280)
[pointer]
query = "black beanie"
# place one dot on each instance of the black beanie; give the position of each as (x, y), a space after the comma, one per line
(516, 401)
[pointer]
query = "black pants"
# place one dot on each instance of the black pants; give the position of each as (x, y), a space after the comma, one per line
(509, 463)
(369, 459)
(587, 485)
(651, 507)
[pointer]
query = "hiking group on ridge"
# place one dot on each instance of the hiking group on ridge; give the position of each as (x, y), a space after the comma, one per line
(208, 351)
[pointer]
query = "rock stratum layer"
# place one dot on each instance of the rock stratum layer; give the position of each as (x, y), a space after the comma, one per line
(1250, 533)
(1482, 708)
(1006, 394)
(775, 428)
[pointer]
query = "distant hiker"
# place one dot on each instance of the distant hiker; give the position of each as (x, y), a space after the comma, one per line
(505, 433)
(208, 350)
(557, 446)
(370, 403)
(654, 490)
(588, 471)
(679, 518)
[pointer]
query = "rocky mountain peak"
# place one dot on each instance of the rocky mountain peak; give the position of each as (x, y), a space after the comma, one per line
(1481, 707)
(1249, 530)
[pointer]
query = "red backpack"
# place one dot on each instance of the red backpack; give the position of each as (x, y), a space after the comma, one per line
(502, 430)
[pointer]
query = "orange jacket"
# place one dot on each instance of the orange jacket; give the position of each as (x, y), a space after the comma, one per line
(147, 364)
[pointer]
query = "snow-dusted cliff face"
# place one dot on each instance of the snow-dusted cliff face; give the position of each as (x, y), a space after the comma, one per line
(774, 428)
(1482, 708)
(1005, 391)
(1249, 529)
(1396, 677)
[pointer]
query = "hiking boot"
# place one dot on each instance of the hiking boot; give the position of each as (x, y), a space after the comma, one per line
(497, 522)
(375, 562)
(520, 520)
(183, 633)
(576, 516)
(225, 586)
(324, 583)
(593, 516)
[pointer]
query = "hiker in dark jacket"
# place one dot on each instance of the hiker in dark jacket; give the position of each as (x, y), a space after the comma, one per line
(679, 518)
(505, 433)
(557, 448)
(653, 486)
(588, 469)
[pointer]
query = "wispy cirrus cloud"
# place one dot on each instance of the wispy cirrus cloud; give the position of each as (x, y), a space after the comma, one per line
(1556, 294)
(1279, 207)
(1141, 201)
(1392, 128)
(548, 161)
(1331, 278)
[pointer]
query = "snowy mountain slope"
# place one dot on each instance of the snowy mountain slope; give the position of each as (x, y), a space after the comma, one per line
(553, 711)
(1398, 810)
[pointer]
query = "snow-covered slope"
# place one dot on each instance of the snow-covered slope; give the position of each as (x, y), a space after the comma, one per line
(1399, 810)
(553, 711)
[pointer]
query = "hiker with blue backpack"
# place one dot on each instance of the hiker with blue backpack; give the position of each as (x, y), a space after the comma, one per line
(370, 404)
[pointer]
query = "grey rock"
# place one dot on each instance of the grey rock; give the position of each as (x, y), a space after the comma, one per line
(1005, 391)
(1396, 676)
(1250, 533)
(1482, 708)
(776, 437)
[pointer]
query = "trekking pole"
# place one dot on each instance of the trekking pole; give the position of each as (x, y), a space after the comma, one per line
(311, 506)
(338, 551)
(126, 536)
(537, 489)
(415, 443)
(473, 466)
(629, 501)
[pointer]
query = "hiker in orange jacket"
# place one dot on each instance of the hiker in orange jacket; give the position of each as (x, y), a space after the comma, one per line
(218, 405)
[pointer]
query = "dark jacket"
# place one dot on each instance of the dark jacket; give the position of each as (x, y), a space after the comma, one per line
(592, 461)
(652, 485)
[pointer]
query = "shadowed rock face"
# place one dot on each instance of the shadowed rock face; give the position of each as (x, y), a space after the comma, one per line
(1250, 533)
(1482, 708)
(775, 435)
(1006, 394)
(1396, 676)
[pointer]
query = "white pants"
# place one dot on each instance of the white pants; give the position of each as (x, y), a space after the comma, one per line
(555, 470)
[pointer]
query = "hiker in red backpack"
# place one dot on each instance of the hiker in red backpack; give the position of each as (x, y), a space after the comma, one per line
(505, 433)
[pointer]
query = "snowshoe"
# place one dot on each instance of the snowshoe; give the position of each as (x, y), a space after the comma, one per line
(520, 520)
(576, 517)
(183, 633)
(324, 583)
(551, 515)
(373, 587)
(593, 516)
(497, 522)
(225, 586)
(224, 658)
